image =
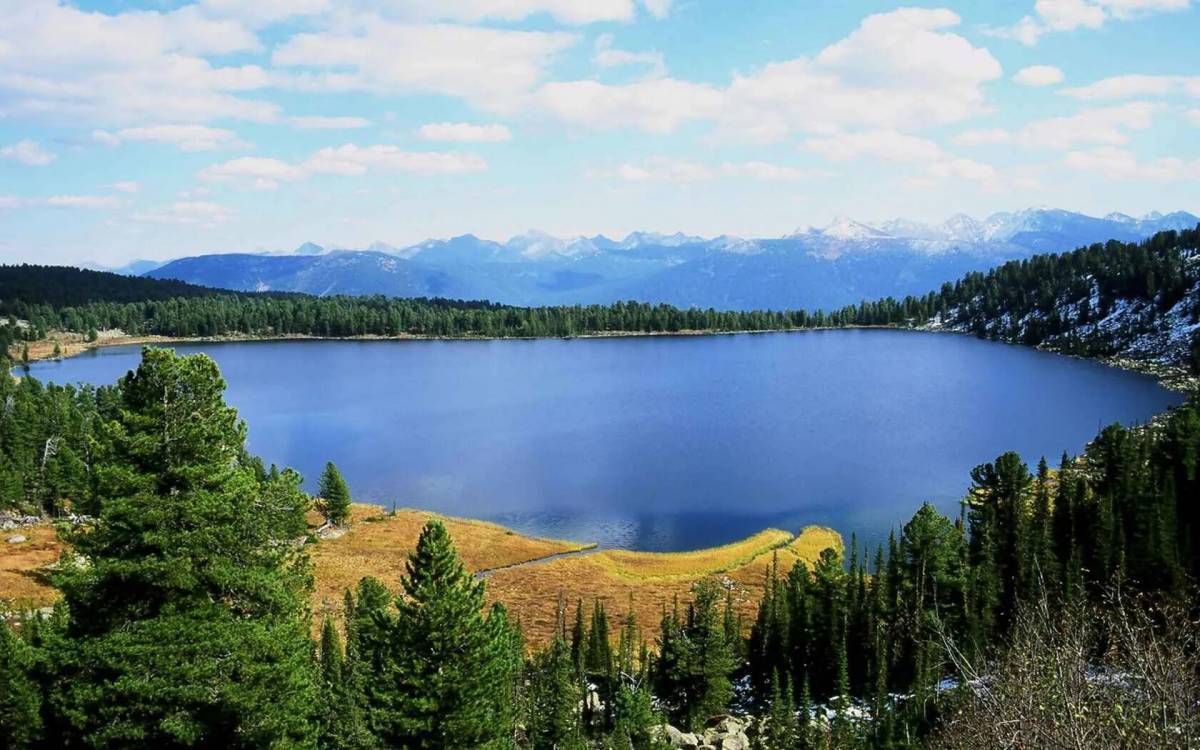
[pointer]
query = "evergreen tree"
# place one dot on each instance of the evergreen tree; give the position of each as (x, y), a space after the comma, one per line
(186, 617)
(780, 731)
(443, 663)
(20, 699)
(335, 495)
(554, 721)
(695, 660)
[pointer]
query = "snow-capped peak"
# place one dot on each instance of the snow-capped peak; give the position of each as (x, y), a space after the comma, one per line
(845, 228)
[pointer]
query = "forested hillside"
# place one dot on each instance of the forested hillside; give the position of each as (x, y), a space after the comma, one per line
(1139, 300)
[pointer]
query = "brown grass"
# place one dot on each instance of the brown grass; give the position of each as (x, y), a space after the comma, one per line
(378, 545)
(24, 580)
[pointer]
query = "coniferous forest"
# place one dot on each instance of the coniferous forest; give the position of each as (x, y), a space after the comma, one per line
(1056, 610)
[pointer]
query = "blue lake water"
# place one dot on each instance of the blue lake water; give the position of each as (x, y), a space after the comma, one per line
(661, 443)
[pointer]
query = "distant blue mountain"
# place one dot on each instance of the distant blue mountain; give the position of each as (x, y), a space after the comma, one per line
(839, 264)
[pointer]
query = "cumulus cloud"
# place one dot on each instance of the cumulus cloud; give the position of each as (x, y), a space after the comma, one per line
(896, 70)
(186, 137)
(319, 122)
(1124, 87)
(1120, 164)
(205, 214)
(136, 67)
(1109, 126)
(1039, 75)
(126, 186)
(983, 137)
(260, 13)
(263, 173)
(487, 67)
(1105, 125)
(768, 172)
(464, 132)
(82, 201)
(605, 55)
(663, 169)
(27, 152)
(1068, 15)
(886, 145)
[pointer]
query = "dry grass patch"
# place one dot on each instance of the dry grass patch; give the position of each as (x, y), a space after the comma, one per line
(648, 565)
(378, 545)
(24, 578)
(651, 581)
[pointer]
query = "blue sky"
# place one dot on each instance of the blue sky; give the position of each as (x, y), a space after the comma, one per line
(159, 129)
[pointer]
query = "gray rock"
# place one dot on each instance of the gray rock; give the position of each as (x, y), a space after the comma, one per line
(17, 539)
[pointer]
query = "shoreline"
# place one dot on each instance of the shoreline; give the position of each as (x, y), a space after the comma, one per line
(1172, 377)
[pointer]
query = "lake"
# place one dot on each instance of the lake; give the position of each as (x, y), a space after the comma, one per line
(661, 443)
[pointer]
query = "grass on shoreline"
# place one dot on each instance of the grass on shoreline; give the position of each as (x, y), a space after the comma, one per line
(377, 544)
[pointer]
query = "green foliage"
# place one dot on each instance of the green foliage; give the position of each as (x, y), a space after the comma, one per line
(335, 495)
(186, 615)
(695, 659)
(20, 699)
(439, 663)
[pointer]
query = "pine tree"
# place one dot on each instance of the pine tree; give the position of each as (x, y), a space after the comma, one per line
(187, 620)
(443, 661)
(339, 714)
(335, 495)
(20, 699)
(780, 730)
(554, 721)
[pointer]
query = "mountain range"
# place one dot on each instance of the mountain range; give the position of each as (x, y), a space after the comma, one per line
(826, 267)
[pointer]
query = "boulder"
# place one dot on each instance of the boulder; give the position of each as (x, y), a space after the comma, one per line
(16, 539)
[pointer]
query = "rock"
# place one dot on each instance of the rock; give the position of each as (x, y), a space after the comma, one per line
(688, 741)
(737, 741)
(16, 539)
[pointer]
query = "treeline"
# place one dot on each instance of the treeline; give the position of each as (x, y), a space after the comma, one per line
(184, 618)
(1047, 299)
(1057, 299)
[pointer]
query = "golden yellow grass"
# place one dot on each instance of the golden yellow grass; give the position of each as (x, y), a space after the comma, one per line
(24, 580)
(378, 545)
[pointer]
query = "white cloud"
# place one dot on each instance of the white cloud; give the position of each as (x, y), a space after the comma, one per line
(1121, 164)
(1068, 15)
(191, 213)
(964, 169)
(607, 56)
(260, 13)
(319, 122)
(186, 137)
(658, 8)
(767, 172)
(897, 70)
(82, 201)
(263, 173)
(464, 132)
(1039, 75)
(1101, 126)
(139, 67)
(488, 67)
(983, 137)
(886, 145)
(260, 172)
(1123, 87)
(351, 159)
(662, 169)
(656, 106)
(565, 11)
(126, 186)
(27, 152)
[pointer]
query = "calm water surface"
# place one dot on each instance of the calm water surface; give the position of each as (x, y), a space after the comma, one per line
(661, 443)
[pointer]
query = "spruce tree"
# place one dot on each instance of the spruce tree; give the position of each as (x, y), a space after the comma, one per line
(443, 662)
(20, 699)
(554, 721)
(335, 495)
(187, 620)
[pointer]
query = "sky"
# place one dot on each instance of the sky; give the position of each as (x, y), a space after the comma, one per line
(155, 130)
